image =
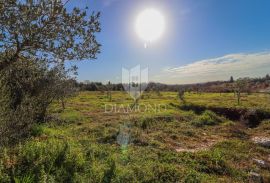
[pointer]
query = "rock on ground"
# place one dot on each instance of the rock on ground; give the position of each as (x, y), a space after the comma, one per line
(262, 163)
(263, 141)
(255, 178)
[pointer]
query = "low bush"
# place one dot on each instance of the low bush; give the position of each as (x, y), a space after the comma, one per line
(46, 161)
(192, 177)
(147, 122)
(207, 118)
(212, 162)
(37, 130)
(166, 173)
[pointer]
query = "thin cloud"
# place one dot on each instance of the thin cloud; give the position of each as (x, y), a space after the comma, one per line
(220, 68)
(108, 2)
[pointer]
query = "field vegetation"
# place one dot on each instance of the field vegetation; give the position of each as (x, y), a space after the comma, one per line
(84, 143)
(55, 129)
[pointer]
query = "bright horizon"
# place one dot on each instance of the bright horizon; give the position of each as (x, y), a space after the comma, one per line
(200, 41)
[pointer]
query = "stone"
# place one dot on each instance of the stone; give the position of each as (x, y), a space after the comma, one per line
(255, 178)
(262, 163)
(263, 141)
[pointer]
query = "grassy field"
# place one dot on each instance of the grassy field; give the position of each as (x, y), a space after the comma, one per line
(260, 101)
(97, 140)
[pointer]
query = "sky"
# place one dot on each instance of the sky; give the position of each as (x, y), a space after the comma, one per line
(203, 40)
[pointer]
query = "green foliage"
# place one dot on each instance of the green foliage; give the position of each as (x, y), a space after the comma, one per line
(71, 116)
(109, 173)
(207, 118)
(212, 162)
(150, 121)
(166, 173)
(27, 90)
(37, 130)
(241, 86)
(4, 177)
(32, 56)
(24, 179)
(192, 177)
(48, 160)
(27, 32)
(181, 95)
(146, 123)
(88, 150)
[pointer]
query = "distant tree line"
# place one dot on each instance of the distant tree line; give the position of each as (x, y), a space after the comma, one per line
(98, 86)
(251, 85)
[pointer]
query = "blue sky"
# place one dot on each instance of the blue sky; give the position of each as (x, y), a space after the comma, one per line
(201, 39)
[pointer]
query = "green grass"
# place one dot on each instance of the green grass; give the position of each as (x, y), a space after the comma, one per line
(90, 145)
(207, 118)
(229, 100)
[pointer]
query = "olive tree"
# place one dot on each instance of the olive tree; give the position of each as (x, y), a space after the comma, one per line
(45, 29)
(240, 86)
(37, 37)
(181, 95)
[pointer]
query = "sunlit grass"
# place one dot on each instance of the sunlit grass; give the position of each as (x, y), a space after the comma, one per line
(168, 145)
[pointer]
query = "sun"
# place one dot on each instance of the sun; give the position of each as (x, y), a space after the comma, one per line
(150, 25)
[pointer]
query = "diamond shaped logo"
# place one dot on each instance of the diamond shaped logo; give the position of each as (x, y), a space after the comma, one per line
(135, 81)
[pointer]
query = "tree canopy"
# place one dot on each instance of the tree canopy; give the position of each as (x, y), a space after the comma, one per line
(36, 38)
(46, 30)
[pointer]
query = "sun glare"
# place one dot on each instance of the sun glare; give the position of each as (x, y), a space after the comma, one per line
(150, 25)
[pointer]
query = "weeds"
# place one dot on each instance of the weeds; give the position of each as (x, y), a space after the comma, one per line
(207, 118)
(90, 151)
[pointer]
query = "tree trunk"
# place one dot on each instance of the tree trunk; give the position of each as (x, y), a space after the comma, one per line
(63, 104)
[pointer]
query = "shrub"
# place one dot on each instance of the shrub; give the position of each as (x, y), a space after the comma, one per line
(37, 130)
(166, 173)
(148, 171)
(3, 174)
(212, 162)
(26, 91)
(109, 173)
(192, 177)
(51, 160)
(207, 118)
(24, 179)
(146, 123)
(181, 95)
